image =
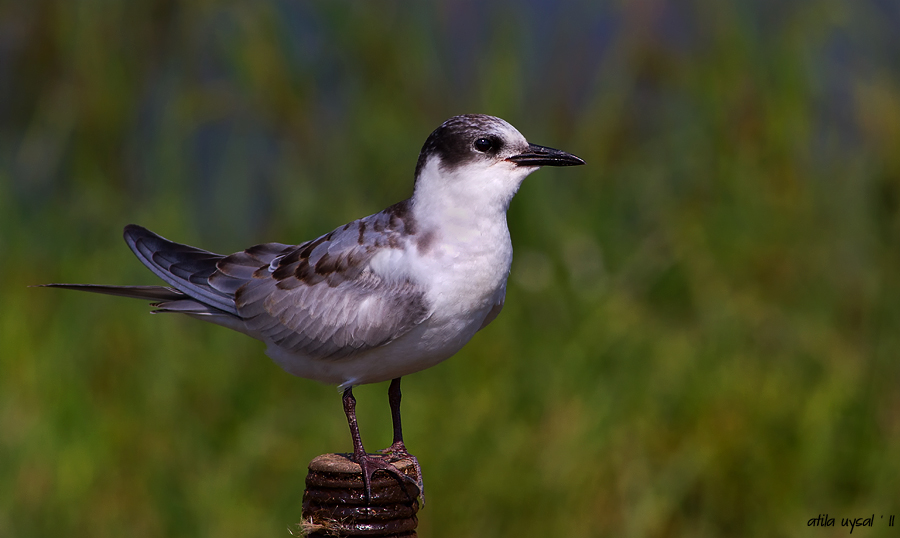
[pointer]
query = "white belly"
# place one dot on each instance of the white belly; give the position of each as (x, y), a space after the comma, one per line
(429, 343)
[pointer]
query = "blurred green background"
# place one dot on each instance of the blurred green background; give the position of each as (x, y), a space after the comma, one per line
(702, 326)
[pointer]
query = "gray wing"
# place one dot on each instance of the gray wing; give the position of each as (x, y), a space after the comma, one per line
(321, 299)
(188, 270)
(185, 268)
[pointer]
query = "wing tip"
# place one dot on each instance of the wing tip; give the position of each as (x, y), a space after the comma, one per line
(133, 232)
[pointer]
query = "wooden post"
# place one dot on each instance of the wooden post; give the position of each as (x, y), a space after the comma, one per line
(334, 503)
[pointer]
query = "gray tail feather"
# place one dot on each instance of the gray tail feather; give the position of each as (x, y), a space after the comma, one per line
(164, 299)
(187, 269)
(150, 293)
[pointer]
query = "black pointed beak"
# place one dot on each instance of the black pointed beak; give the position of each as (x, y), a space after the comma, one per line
(543, 156)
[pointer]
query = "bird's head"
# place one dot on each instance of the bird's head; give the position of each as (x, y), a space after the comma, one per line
(483, 157)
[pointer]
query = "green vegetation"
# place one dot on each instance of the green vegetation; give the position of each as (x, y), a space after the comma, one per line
(702, 328)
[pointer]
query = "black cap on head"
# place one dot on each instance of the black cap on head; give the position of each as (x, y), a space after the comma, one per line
(468, 137)
(453, 140)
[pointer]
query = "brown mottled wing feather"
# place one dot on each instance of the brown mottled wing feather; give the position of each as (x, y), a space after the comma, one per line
(321, 299)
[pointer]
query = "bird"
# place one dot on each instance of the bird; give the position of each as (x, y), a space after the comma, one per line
(378, 298)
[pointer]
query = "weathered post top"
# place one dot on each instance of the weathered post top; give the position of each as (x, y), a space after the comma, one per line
(334, 503)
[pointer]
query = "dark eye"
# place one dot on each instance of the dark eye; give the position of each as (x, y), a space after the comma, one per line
(484, 144)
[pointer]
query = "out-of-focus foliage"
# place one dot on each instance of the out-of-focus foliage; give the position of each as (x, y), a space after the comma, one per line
(702, 330)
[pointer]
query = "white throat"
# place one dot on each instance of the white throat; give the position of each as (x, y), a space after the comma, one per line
(474, 196)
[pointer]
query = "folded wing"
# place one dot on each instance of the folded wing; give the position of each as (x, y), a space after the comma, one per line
(320, 299)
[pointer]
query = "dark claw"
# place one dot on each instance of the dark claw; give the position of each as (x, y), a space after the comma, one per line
(397, 452)
(371, 464)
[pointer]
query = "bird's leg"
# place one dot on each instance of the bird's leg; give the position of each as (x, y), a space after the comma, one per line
(397, 450)
(368, 463)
